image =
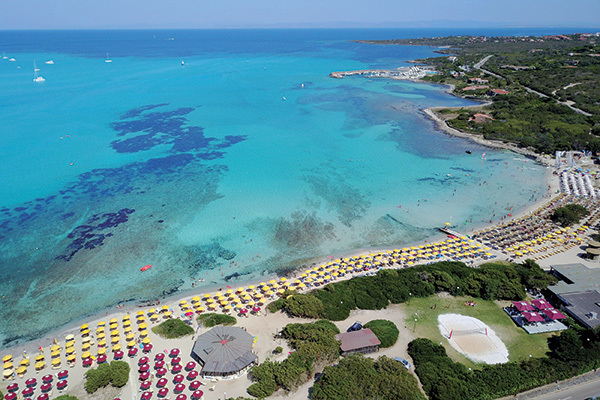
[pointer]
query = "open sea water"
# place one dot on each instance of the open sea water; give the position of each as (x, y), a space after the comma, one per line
(245, 162)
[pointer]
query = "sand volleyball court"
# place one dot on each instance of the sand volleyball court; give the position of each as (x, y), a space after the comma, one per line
(473, 338)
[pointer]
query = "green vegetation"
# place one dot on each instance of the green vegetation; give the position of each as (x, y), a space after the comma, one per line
(569, 214)
(1, 395)
(173, 329)
(115, 373)
(573, 352)
(212, 319)
(386, 331)
(358, 377)
(490, 281)
(519, 344)
(66, 397)
(278, 350)
(563, 68)
(314, 344)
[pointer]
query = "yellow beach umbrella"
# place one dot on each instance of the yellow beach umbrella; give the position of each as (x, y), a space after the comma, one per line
(114, 326)
(152, 311)
(115, 339)
(126, 317)
(116, 347)
(40, 365)
(39, 357)
(227, 307)
(143, 326)
(55, 353)
(113, 320)
(127, 329)
(251, 287)
(146, 340)
(165, 308)
(56, 362)
(127, 323)
(84, 327)
(153, 317)
(114, 333)
(200, 309)
(69, 350)
(100, 329)
(85, 332)
(212, 306)
(71, 357)
(167, 314)
(131, 343)
(101, 335)
(21, 370)
(101, 323)
(101, 351)
(85, 346)
(55, 348)
(8, 365)
(141, 319)
(25, 362)
(144, 333)
(86, 354)
(130, 336)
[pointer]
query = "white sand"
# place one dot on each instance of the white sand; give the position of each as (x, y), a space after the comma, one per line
(469, 338)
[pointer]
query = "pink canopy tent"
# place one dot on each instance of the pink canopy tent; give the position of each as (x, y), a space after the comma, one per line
(533, 316)
(523, 306)
(554, 314)
(541, 304)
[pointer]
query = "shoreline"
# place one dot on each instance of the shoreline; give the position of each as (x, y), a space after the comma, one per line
(173, 299)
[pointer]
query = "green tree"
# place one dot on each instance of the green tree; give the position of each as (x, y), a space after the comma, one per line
(569, 214)
(119, 373)
(386, 331)
(173, 328)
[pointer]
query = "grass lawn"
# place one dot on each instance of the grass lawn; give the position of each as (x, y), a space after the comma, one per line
(518, 342)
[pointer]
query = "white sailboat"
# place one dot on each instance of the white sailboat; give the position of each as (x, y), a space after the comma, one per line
(50, 62)
(4, 56)
(36, 77)
(107, 60)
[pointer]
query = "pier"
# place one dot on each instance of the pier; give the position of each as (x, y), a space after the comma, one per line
(413, 72)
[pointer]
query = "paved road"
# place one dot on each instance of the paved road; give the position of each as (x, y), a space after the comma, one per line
(579, 392)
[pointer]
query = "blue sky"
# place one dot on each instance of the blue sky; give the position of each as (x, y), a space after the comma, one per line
(98, 14)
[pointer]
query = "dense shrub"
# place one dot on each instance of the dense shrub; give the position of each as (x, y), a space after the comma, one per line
(211, 319)
(572, 352)
(314, 344)
(115, 373)
(97, 378)
(358, 377)
(278, 350)
(490, 281)
(569, 214)
(66, 397)
(173, 329)
(119, 373)
(1, 395)
(386, 331)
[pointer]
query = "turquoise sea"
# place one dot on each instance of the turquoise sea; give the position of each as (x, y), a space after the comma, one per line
(246, 161)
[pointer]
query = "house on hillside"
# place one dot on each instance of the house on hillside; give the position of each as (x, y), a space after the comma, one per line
(495, 92)
(481, 118)
(362, 341)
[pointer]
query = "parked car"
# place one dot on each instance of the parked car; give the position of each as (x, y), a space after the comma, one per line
(403, 361)
(357, 326)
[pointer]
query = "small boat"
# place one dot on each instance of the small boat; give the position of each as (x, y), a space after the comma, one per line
(4, 56)
(183, 63)
(107, 60)
(468, 151)
(145, 267)
(50, 62)
(284, 99)
(36, 77)
(12, 59)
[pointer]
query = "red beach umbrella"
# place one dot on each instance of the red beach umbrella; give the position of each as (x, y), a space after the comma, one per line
(10, 396)
(43, 396)
(144, 375)
(256, 309)
(147, 348)
(101, 358)
(27, 391)
(176, 368)
(178, 378)
(47, 378)
(46, 387)
(180, 387)
(132, 352)
(192, 375)
(31, 382)
(175, 360)
(144, 367)
(190, 366)
(181, 397)
(143, 360)
(159, 356)
(197, 394)
(162, 382)
(12, 387)
(145, 385)
(63, 374)
(163, 392)
(195, 385)
(159, 364)
(146, 395)
(119, 354)
(161, 371)
(87, 362)
(62, 384)
(174, 352)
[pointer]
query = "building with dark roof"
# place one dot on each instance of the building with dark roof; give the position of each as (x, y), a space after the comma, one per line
(578, 291)
(224, 351)
(363, 341)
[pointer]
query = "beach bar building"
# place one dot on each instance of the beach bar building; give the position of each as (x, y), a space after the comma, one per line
(362, 341)
(224, 351)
